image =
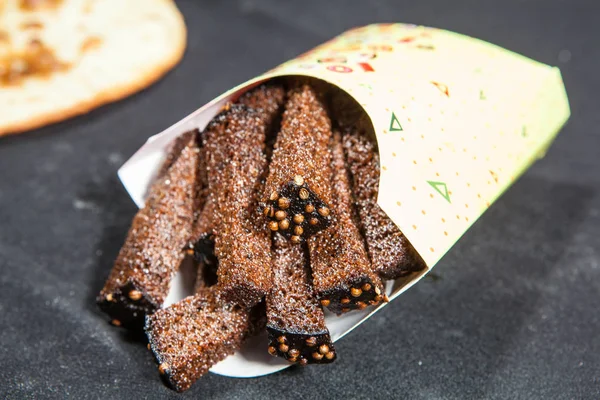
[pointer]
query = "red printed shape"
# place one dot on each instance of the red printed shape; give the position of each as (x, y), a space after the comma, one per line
(339, 68)
(407, 39)
(366, 67)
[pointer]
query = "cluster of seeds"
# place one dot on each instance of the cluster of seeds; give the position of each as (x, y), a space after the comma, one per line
(296, 212)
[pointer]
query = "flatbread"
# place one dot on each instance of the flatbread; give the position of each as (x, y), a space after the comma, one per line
(61, 58)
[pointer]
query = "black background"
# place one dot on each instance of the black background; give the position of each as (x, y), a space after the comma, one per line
(511, 312)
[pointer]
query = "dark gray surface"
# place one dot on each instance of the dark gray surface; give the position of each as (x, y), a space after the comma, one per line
(512, 314)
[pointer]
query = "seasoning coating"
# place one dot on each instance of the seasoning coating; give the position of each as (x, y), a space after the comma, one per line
(295, 319)
(298, 174)
(266, 101)
(340, 265)
(235, 155)
(152, 252)
(391, 254)
(192, 335)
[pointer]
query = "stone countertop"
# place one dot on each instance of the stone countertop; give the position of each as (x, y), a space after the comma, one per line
(511, 312)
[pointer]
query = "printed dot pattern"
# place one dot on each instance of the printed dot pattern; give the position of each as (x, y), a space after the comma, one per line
(457, 120)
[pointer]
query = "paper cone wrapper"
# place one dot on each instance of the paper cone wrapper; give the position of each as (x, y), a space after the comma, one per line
(457, 120)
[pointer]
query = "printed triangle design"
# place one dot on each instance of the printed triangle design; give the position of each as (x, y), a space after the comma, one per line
(442, 88)
(441, 188)
(395, 124)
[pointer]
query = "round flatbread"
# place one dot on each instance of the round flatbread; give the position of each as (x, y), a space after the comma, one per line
(61, 58)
